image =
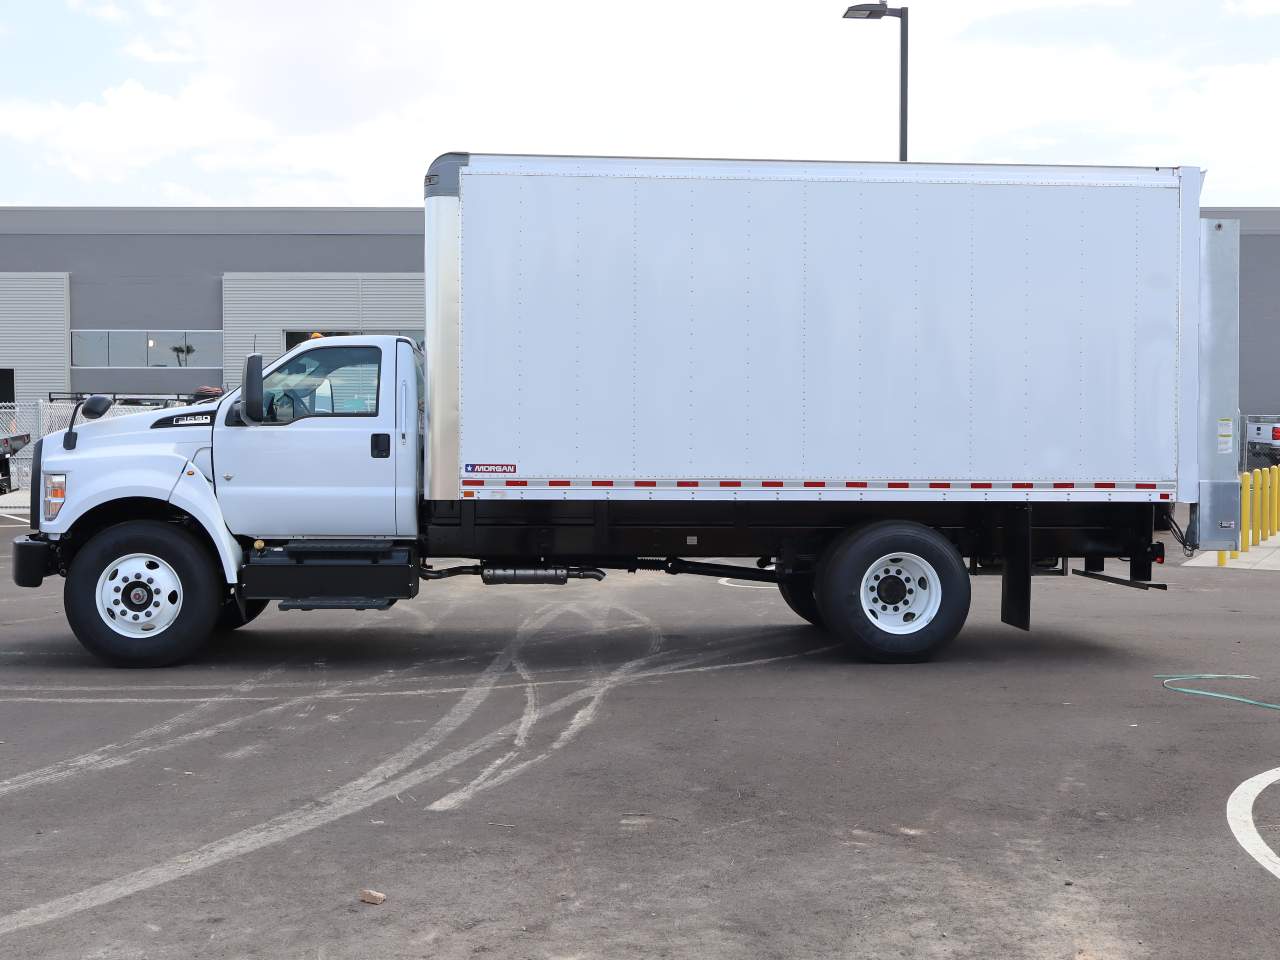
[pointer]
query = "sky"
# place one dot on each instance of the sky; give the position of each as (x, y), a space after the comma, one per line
(286, 102)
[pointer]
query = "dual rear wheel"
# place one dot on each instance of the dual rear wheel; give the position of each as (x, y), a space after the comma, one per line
(893, 591)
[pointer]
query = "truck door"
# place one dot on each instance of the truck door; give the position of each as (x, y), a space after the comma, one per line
(322, 461)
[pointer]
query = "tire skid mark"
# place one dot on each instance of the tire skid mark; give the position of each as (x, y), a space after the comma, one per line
(383, 782)
(136, 747)
(362, 792)
(596, 621)
(101, 757)
(594, 693)
(47, 616)
(130, 751)
(412, 692)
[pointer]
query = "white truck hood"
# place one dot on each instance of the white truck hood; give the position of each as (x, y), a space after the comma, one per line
(180, 430)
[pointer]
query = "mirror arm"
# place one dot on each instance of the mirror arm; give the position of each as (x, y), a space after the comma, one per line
(70, 437)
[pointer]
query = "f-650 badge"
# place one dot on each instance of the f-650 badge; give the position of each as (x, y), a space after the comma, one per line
(491, 468)
(184, 420)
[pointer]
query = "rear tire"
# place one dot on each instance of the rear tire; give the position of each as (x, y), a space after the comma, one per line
(142, 594)
(230, 618)
(893, 591)
(797, 591)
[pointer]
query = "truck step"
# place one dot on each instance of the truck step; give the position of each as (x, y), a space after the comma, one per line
(345, 548)
(337, 603)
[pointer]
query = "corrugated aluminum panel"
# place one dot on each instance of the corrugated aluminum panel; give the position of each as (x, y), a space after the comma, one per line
(35, 315)
(847, 322)
(1217, 521)
(257, 309)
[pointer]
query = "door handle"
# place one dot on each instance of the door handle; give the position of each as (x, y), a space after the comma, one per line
(404, 413)
(380, 446)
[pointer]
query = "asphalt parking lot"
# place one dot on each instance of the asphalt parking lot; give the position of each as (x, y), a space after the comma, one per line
(650, 767)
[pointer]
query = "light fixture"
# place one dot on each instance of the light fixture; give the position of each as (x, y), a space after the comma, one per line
(867, 11)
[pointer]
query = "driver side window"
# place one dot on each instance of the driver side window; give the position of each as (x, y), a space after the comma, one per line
(323, 382)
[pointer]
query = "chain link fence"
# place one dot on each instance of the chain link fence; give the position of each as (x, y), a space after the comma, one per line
(1261, 448)
(38, 418)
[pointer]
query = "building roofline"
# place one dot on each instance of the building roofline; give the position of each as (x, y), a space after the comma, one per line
(93, 220)
(1254, 221)
(322, 221)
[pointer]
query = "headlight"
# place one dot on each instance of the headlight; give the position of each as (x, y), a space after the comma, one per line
(55, 494)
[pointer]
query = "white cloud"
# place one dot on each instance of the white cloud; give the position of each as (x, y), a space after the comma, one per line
(1254, 8)
(102, 9)
(129, 128)
(183, 195)
(174, 52)
(322, 102)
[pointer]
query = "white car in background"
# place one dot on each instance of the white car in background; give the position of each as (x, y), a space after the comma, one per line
(1263, 441)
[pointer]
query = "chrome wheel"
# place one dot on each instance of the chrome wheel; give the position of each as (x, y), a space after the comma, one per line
(901, 593)
(139, 595)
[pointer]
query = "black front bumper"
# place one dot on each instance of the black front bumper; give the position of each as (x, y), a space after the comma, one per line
(32, 560)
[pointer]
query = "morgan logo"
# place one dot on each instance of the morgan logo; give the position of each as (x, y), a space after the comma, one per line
(491, 468)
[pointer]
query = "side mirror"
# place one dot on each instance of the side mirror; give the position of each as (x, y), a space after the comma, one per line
(96, 406)
(251, 389)
(93, 408)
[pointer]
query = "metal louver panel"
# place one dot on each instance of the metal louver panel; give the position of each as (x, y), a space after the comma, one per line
(257, 309)
(35, 311)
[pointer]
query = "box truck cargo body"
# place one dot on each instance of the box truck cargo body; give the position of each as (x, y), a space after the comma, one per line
(875, 380)
(687, 324)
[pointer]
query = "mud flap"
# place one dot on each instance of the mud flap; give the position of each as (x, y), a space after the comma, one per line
(1015, 583)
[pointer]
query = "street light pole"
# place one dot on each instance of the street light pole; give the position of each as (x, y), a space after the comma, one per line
(902, 84)
(878, 11)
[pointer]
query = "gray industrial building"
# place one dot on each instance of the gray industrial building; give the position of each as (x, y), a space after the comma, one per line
(1259, 305)
(154, 300)
(161, 301)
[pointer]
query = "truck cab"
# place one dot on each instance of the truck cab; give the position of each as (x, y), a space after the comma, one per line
(336, 449)
(153, 518)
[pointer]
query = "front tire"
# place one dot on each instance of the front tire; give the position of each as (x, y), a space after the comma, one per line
(142, 594)
(893, 591)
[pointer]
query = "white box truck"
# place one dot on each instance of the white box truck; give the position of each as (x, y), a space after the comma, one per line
(874, 380)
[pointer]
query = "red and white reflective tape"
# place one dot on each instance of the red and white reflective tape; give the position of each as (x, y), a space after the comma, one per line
(1164, 488)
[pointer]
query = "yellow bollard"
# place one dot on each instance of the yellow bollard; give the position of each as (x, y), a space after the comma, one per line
(1275, 500)
(1268, 511)
(1264, 502)
(1246, 530)
(1222, 558)
(1255, 507)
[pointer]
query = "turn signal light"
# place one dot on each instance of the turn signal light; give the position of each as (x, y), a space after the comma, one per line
(55, 494)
